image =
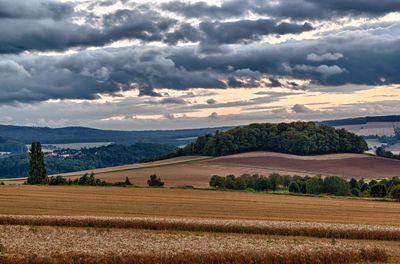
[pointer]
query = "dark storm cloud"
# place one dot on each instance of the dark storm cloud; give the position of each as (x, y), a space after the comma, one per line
(86, 74)
(365, 58)
(34, 9)
(274, 83)
(185, 33)
(19, 35)
(242, 30)
(142, 23)
(294, 9)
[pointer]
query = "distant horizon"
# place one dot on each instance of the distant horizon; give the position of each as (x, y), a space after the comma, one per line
(209, 127)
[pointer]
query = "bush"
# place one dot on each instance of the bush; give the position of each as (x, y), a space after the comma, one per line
(314, 185)
(336, 186)
(355, 192)
(364, 187)
(58, 180)
(262, 184)
(294, 187)
(217, 181)
(274, 180)
(372, 183)
(154, 181)
(239, 184)
(229, 181)
(378, 190)
(354, 184)
(396, 192)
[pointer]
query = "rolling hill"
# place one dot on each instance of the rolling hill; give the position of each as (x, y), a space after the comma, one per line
(197, 170)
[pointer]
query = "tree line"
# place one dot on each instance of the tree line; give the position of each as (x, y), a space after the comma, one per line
(331, 185)
(381, 152)
(300, 138)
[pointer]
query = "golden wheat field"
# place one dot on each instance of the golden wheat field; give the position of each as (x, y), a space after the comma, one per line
(81, 224)
(83, 245)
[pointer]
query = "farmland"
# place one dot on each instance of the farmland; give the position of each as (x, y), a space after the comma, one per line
(175, 203)
(171, 219)
(197, 170)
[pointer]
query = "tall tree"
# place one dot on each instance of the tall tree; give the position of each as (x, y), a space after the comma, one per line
(37, 168)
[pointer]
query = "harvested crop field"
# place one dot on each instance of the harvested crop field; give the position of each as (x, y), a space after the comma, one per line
(23, 244)
(81, 224)
(283, 228)
(346, 165)
(177, 203)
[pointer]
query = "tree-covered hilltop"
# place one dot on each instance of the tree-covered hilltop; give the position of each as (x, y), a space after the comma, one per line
(69, 160)
(300, 138)
(13, 146)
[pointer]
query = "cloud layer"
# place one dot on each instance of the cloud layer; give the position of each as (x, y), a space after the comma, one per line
(53, 50)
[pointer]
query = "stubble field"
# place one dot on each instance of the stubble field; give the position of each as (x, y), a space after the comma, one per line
(76, 224)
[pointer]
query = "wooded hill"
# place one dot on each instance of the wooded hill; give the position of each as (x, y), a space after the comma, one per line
(46, 135)
(300, 138)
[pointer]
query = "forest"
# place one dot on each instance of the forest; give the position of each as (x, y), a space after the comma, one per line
(300, 138)
(85, 159)
(13, 146)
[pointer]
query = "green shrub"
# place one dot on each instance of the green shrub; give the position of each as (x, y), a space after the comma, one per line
(354, 184)
(364, 187)
(336, 186)
(239, 184)
(396, 192)
(229, 181)
(294, 187)
(314, 185)
(217, 181)
(356, 192)
(58, 180)
(372, 183)
(378, 190)
(274, 180)
(154, 181)
(262, 184)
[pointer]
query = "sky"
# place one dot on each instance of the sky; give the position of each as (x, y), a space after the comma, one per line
(170, 64)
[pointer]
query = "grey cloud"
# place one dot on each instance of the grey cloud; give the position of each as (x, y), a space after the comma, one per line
(369, 58)
(169, 116)
(324, 57)
(294, 9)
(274, 83)
(300, 109)
(211, 101)
(185, 33)
(213, 116)
(38, 34)
(173, 101)
(34, 9)
(245, 30)
(325, 70)
(86, 74)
